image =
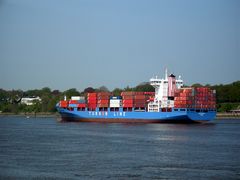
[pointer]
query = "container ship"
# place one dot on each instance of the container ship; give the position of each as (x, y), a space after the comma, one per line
(171, 102)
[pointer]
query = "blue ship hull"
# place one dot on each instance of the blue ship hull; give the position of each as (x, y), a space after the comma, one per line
(176, 116)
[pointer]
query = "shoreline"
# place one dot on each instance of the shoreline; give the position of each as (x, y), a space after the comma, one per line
(39, 115)
(56, 115)
(228, 115)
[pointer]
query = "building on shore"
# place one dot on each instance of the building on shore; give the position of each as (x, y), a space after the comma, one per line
(30, 100)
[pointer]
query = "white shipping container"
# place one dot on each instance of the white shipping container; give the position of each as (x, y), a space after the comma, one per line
(115, 105)
(77, 98)
(115, 101)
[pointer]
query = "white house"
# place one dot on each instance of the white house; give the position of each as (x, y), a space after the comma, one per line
(30, 100)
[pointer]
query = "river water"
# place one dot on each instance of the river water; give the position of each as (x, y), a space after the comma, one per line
(42, 148)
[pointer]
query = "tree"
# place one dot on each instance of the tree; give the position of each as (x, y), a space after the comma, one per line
(31, 93)
(51, 105)
(36, 106)
(46, 90)
(44, 103)
(89, 90)
(197, 85)
(144, 87)
(4, 95)
(117, 91)
(56, 93)
(103, 89)
(128, 89)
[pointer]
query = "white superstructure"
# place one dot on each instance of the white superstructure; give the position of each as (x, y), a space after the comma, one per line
(164, 91)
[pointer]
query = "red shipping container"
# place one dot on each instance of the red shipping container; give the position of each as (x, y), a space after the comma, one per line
(92, 94)
(151, 99)
(104, 94)
(73, 102)
(127, 101)
(127, 105)
(103, 101)
(149, 93)
(63, 105)
(102, 105)
(63, 102)
(92, 102)
(92, 97)
(127, 93)
(127, 97)
(139, 93)
(81, 105)
(139, 97)
(139, 105)
(92, 106)
(103, 97)
(139, 100)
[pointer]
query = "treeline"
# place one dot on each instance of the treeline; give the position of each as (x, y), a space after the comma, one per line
(228, 97)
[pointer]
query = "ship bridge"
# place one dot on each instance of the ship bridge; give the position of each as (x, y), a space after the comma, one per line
(164, 88)
(155, 82)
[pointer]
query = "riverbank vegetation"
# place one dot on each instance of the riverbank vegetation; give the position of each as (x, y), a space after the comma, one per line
(228, 97)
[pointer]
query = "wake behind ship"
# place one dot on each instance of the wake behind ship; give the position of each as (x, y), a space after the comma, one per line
(169, 103)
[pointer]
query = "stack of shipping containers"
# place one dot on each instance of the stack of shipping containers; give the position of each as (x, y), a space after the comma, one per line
(184, 98)
(199, 97)
(103, 100)
(136, 100)
(92, 101)
(127, 100)
(205, 98)
(78, 101)
(63, 104)
(139, 100)
(192, 97)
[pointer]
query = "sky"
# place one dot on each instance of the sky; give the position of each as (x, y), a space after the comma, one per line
(63, 44)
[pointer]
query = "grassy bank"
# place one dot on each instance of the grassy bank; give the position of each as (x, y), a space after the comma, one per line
(40, 114)
(228, 115)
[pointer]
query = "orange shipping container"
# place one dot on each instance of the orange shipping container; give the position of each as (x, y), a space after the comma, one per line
(139, 97)
(127, 97)
(104, 101)
(102, 105)
(127, 93)
(127, 101)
